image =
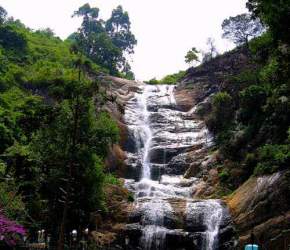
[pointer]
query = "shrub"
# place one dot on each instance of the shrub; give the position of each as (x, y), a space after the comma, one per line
(222, 112)
(272, 158)
(111, 179)
(224, 175)
(252, 100)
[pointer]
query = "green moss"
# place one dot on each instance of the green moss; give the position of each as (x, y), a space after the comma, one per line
(224, 175)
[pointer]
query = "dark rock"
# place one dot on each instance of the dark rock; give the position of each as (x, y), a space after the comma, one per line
(162, 155)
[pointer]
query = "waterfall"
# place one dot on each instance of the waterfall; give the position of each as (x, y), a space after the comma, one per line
(146, 135)
(162, 133)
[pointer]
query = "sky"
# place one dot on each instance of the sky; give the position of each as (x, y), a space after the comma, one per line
(165, 29)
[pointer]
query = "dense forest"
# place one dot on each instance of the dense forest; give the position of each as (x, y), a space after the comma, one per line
(55, 134)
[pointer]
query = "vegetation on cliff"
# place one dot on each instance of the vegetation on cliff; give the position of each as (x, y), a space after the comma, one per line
(250, 115)
(169, 79)
(54, 137)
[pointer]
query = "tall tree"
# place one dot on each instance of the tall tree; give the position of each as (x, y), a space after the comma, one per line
(119, 29)
(241, 28)
(106, 43)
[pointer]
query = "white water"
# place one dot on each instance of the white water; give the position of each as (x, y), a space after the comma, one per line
(212, 212)
(156, 125)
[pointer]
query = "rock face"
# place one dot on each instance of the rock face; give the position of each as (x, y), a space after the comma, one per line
(119, 92)
(201, 82)
(263, 205)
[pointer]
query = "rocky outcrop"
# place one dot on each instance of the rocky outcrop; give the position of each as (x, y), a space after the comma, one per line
(262, 206)
(118, 91)
(202, 81)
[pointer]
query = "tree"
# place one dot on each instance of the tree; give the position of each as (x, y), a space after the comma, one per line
(3, 15)
(119, 29)
(241, 28)
(105, 43)
(127, 72)
(70, 151)
(192, 56)
(11, 39)
(211, 51)
(275, 14)
(94, 42)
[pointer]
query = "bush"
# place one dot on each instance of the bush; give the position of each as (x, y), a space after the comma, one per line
(260, 47)
(252, 100)
(152, 81)
(222, 112)
(111, 179)
(272, 158)
(224, 175)
(169, 79)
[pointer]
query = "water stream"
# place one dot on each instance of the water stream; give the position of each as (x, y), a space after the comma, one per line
(161, 132)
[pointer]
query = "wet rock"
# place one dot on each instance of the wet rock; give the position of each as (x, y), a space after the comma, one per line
(262, 204)
(178, 164)
(162, 155)
(157, 170)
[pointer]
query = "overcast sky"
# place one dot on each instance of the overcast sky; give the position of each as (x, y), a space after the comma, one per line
(165, 29)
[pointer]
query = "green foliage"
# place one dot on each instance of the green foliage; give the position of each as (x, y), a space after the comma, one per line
(192, 56)
(12, 202)
(19, 116)
(52, 141)
(221, 114)
(252, 101)
(131, 197)
(12, 40)
(105, 42)
(173, 79)
(153, 81)
(224, 175)
(272, 158)
(255, 136)
(169, 79)
(260, 46)
(111, 179)
(275, 14)
(269, 72)
(118, 28)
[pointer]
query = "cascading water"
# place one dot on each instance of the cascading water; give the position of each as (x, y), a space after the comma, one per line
(160, 133)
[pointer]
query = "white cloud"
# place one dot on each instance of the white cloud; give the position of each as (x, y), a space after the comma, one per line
(165, 29)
